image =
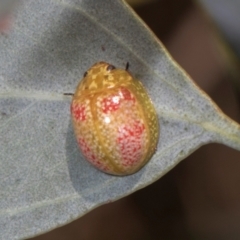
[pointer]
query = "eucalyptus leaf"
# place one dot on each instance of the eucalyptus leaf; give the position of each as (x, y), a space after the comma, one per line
(45, 182)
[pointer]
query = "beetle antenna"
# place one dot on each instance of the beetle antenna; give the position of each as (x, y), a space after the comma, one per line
(127, 66)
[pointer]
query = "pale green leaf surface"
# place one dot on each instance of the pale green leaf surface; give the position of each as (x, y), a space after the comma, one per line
(45, 182)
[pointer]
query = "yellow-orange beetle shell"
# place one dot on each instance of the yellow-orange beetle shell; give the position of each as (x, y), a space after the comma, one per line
(114, 120)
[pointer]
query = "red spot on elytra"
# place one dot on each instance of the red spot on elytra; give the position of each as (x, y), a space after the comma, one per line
(112, 103)
(90, 156)
(138, 128)
(78, 111)
(127, 95)
(130, 143)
